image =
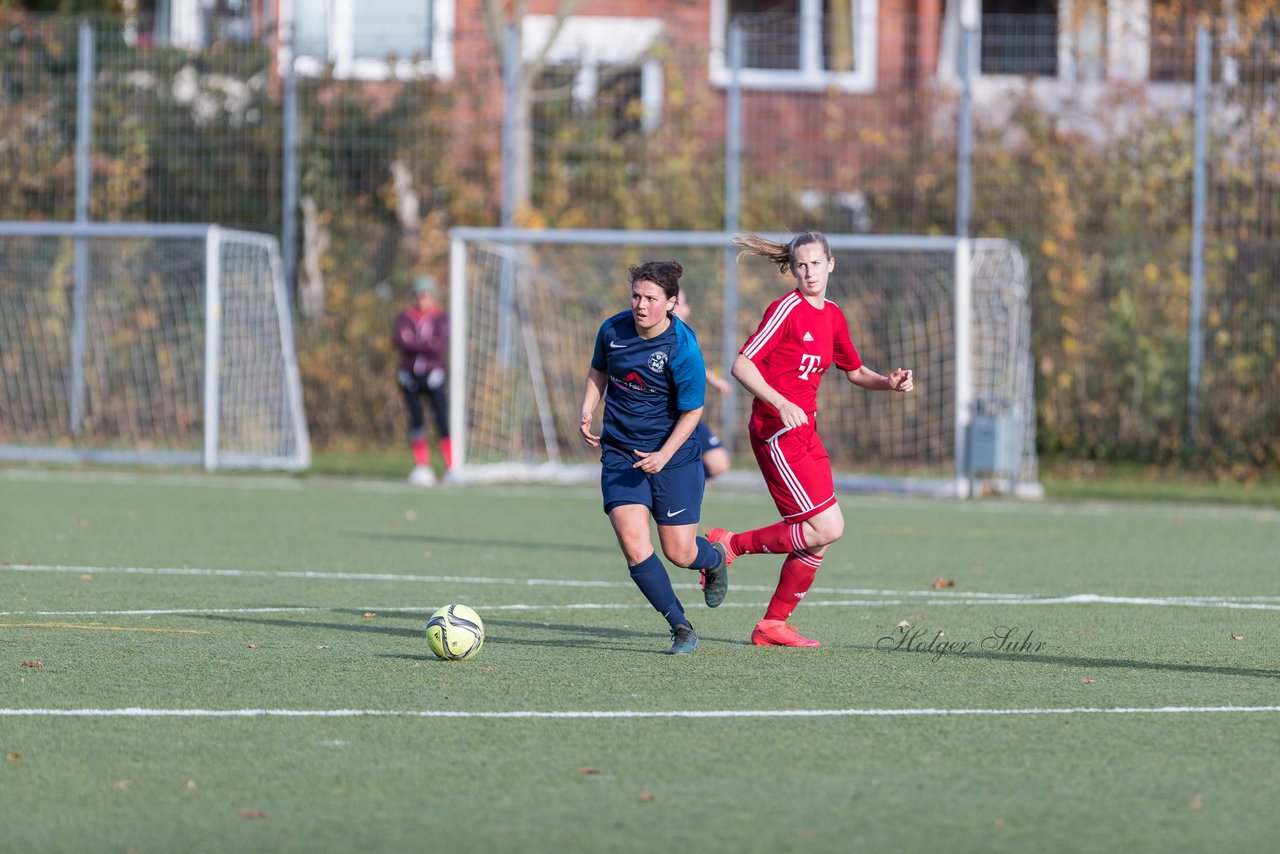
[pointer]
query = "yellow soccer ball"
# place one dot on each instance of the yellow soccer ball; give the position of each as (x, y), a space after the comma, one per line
(455, 633)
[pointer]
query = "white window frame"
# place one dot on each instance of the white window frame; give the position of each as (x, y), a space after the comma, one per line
(1081, 57)
(593, 41)
(810, 75)
(346, 65)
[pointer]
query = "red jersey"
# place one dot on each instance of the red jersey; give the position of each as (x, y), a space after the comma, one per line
(793, 347)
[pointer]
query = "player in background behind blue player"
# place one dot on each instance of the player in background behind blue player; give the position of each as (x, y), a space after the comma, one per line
(649, 372)
(715, 456)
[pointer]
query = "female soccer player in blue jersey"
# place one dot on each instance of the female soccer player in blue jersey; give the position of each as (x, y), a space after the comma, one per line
(649, 371)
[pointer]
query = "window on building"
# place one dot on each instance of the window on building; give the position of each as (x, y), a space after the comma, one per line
(1243, 48)
(1074, 41)
(600, 67)
(1020, 37)
(1173, 43)
(796, 44)
(190, 24)
(374, 39)
(607, 99)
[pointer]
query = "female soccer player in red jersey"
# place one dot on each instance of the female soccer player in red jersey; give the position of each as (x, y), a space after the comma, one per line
(781, 364)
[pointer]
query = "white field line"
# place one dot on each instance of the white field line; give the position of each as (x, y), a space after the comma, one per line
(308, 575)
(137, 712)
(881, 597)
(266, 482)
(619, 606)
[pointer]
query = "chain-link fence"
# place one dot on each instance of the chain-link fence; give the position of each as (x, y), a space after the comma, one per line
(840, 116)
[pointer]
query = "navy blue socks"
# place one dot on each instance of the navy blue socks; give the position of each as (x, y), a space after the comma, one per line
(651, 577)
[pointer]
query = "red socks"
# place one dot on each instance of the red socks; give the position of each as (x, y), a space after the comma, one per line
(797, 575)
(798, 570)
(779, 538)
(422, 453)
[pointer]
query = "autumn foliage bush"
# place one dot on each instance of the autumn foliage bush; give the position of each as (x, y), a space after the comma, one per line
(1099, 199)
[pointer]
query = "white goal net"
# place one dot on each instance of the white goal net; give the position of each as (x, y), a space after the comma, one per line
(137, 343)
(526, 304)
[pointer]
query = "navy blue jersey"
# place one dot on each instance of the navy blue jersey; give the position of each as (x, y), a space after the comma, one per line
(650, 382)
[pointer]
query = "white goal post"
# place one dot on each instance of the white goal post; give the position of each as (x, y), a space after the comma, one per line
(142, 343)
(525, 305)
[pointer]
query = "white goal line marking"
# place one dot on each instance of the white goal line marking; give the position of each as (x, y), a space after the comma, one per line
(885, 597)
(136, 712)
(309, 575)
(618, 606)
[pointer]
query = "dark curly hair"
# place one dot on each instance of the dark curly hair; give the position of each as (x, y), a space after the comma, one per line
(664, 274)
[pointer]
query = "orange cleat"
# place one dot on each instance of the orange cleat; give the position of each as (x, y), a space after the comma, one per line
(721, 536)
(779, 633)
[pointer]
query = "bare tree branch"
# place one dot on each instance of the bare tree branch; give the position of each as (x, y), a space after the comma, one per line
(496, 18)
(498, 15)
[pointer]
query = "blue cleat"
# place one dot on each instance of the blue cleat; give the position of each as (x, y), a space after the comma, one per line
(683, 640)
(715, 582)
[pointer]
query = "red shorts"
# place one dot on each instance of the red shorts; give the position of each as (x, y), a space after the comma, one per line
(796, 469)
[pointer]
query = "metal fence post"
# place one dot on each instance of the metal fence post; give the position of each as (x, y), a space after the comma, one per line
(732, 222)
(1199, 191)
(289, 188)
(964, 129)
(511, 72)
(84, 178)
(510, 113)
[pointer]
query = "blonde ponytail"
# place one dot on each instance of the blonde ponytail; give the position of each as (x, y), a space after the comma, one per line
(779, 253)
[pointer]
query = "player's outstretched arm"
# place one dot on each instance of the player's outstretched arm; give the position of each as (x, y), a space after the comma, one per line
(900, 379)
(717, 382)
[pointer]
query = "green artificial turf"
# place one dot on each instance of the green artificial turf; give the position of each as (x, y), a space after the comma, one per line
(198, 663)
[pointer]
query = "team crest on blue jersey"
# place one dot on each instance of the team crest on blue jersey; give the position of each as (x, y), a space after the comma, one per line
(658, 361)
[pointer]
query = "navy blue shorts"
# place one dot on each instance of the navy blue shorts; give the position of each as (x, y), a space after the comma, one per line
(673, 495)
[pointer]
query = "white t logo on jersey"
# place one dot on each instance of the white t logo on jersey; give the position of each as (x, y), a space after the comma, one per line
(808, 364)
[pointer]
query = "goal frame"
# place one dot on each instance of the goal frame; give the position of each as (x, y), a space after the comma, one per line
(973, 431)
(211, 455)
